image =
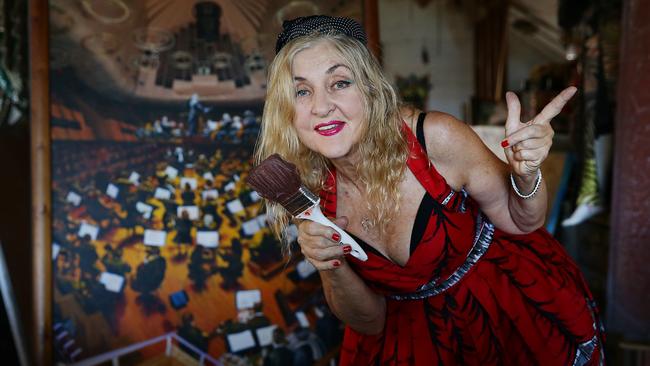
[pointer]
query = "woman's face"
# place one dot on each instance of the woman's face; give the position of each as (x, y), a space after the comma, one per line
(328, 103)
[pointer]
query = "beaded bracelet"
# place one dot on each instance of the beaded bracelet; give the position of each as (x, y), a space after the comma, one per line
(531, 194)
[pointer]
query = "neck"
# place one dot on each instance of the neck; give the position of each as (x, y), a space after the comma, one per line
(346, 171)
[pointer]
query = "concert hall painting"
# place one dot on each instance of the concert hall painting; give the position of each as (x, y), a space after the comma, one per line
(158, 243)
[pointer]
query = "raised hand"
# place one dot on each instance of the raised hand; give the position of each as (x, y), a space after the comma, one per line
(527, 144)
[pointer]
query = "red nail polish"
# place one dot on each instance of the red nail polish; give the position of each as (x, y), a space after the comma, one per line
(505, 143)
(336, 237)
(347, 249)
(336, 263)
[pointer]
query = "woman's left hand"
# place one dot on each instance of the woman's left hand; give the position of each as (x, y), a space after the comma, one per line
(527, 144)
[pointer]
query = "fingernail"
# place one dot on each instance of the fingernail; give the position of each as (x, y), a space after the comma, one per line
(336, 237)
(336, 263)
(505, 143)
(347, 249)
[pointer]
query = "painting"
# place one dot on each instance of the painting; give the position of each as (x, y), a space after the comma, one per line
(158, 244)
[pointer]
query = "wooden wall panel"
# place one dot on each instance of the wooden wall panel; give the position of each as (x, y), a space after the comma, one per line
(628, 290)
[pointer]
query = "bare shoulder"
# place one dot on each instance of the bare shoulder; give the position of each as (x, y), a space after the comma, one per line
(452, 145)
(442, 132)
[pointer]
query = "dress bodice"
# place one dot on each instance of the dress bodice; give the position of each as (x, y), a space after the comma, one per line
(446, 241)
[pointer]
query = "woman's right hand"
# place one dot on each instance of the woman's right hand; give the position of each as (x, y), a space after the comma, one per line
(320, 244)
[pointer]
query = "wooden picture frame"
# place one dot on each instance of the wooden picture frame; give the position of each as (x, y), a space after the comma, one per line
(41, 311)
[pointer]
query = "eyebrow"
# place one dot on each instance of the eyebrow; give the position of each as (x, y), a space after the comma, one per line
(328, 71)
(331, 69)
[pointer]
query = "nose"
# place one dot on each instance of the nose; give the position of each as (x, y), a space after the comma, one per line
(321, 104)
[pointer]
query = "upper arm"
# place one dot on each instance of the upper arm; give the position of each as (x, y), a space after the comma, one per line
(462, 158)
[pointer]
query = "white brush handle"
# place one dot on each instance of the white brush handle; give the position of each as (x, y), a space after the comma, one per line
(315, 214)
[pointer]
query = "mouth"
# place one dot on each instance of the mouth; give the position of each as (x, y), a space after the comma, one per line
(329, 128)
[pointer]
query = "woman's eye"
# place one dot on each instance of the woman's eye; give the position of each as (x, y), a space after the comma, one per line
(302, 93)
(342, 84)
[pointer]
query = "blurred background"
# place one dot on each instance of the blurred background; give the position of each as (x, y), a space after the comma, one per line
(126, 132)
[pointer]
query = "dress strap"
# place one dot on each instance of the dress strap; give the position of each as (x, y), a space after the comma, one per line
(419, 163)
(419, 131)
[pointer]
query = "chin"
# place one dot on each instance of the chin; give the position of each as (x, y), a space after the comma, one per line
(335, 154)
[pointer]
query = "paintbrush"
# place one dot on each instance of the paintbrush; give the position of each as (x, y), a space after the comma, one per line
(278, 180)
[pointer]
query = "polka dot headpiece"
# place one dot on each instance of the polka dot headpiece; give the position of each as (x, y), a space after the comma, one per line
(324, 24)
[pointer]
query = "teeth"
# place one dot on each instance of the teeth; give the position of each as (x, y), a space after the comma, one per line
(328, 127)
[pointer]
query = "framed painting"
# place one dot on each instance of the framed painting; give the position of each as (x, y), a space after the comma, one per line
(152, 245)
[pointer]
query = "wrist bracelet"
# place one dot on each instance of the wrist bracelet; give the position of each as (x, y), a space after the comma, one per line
(531, 194)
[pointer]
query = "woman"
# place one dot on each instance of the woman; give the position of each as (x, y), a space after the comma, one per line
(458, 271)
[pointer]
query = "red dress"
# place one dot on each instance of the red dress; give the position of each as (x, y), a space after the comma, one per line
(471, 294)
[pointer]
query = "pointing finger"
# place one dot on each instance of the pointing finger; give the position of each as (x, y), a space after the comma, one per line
(554, 108)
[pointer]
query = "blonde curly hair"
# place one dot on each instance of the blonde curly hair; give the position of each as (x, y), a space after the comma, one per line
(383, 148)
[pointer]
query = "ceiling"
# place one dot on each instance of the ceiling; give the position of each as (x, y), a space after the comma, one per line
(535, 23)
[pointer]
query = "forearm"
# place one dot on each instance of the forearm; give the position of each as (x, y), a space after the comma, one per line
(528, 214)
(352, 301)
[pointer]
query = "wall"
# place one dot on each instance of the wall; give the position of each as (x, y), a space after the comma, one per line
(406, 28)
(523, 56)
(447, 35)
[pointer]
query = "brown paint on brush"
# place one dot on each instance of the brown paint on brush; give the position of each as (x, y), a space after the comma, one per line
(275, 179)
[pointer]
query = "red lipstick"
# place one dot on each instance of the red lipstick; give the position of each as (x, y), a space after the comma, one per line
(329, 128)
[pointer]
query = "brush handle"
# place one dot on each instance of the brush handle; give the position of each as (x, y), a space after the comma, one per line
(315, 214)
